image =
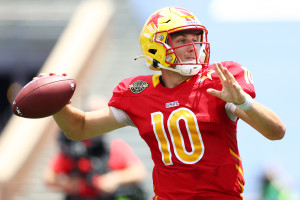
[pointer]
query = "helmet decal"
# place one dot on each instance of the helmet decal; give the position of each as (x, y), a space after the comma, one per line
(153, 20)
(184, 13)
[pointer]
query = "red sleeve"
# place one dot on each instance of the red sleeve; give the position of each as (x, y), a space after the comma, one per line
(242, 75)
(121, 155)
(61, 164)
(122, 93)
(119, 92)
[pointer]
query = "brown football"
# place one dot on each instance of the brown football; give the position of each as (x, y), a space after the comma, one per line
(44, 96)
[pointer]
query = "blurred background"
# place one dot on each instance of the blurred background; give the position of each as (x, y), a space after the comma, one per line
(262, 35)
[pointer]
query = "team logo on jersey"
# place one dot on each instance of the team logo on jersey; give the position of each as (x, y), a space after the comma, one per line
(138, 86)
(208, 75)
(172, 104)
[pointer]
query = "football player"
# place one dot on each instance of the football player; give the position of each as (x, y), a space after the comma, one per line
(187, 115)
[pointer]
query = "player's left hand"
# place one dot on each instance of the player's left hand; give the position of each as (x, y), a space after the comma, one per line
(231, 92)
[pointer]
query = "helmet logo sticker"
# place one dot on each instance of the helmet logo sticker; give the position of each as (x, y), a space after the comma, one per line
(154, 20)
(138, 86)
(186, 14)
(189, 17)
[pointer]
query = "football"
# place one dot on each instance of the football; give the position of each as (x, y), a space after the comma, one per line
(44, 96)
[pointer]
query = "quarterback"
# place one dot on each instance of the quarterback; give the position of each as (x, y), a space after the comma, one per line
(187, 114)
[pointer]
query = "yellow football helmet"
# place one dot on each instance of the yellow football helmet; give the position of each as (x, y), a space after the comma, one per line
(157, 46)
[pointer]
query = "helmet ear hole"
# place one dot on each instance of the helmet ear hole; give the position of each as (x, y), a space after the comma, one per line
(152, 51)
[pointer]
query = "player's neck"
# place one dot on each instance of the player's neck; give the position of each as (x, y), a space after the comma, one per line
(172, 79)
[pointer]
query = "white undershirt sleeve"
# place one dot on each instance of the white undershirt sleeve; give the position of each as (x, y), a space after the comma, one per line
(121, 116)
(230, 110)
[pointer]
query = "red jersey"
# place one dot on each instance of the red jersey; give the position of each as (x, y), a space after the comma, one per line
(192, 141)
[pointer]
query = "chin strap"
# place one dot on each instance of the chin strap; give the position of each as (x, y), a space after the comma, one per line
(142, 56)
(185, 70)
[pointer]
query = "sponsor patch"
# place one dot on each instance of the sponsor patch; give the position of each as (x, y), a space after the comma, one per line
(138, 86)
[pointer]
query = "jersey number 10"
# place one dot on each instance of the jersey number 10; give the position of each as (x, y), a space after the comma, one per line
(177, 139)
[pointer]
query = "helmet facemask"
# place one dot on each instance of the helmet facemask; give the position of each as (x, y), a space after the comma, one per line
(198, 49)
(172, 60)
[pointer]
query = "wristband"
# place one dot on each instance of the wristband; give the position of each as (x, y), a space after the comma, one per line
(247, 104)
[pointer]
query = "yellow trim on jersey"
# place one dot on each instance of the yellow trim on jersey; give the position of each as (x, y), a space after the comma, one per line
(241, 185)
(187, 80)
(155, 79)
(237, 166)
(239, 169)
(234, 154)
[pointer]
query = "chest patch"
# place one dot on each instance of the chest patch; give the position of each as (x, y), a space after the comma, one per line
(138, 86)
(172, 104)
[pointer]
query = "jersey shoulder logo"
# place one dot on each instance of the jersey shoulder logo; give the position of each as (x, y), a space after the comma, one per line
(207, 75)
(138, 86)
